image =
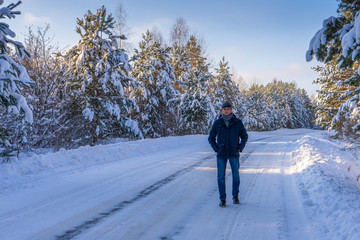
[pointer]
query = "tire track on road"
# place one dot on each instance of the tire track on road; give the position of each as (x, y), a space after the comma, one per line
(142, 194)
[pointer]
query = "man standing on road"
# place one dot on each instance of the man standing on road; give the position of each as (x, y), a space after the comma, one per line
(224, 139)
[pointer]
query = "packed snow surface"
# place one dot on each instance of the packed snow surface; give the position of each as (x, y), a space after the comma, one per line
(295, 184)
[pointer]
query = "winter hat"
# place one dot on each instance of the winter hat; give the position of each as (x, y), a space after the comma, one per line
(226, 104)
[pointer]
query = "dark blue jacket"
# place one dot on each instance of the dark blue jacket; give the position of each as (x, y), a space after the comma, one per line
(225, 140)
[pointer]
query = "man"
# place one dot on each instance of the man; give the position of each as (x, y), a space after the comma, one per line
(224, 139)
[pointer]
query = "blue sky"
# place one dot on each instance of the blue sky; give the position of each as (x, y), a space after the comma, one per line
(261, 39)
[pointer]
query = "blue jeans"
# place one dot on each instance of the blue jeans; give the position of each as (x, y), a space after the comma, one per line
(221, 168)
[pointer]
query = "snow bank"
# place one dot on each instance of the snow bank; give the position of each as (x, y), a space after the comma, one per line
(69, 160)
(327, 174)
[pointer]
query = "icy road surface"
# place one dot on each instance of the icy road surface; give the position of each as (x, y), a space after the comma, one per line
(169, 193)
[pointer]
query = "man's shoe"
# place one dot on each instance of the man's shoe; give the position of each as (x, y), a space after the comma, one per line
(236, 200)
(222, 203)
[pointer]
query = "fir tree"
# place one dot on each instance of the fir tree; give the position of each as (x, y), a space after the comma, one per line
(257, 109)
(276, 105)
(195, 52)
(332, 89)
(195, 107)
(13, 77)
(180, 62)
(338, 42)
(156, 92)
(99, 83)
(224, 88)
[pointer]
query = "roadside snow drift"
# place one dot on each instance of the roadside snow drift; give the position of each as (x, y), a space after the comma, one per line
(328, 178)
(33, 166)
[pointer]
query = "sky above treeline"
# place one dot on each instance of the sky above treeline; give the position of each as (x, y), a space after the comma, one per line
(261, 39)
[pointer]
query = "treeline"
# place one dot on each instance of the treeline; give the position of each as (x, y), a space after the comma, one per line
(94, 91)
(276, 105)
(336, 44)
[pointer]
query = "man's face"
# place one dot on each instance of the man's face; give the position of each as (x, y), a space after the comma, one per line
(226, 110)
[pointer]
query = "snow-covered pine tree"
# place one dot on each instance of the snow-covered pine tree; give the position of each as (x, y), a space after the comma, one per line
(243, 110)
(258, 112)
(179, 61)
(291, 106)
(284, 96)
(99, 83)
(274, 92)
(277, 105)
(299, 116)
(334, 91)
(327, 96)
(13, 77)
(156, 92)
(304, 109)
(338, 41)
(195, 108)
(195, 52)
(224, 88)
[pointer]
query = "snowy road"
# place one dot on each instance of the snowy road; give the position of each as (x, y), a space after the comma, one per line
(170, 194)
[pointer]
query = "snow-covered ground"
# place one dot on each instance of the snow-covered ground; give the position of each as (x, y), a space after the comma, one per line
(328, 177)
(295, 184)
